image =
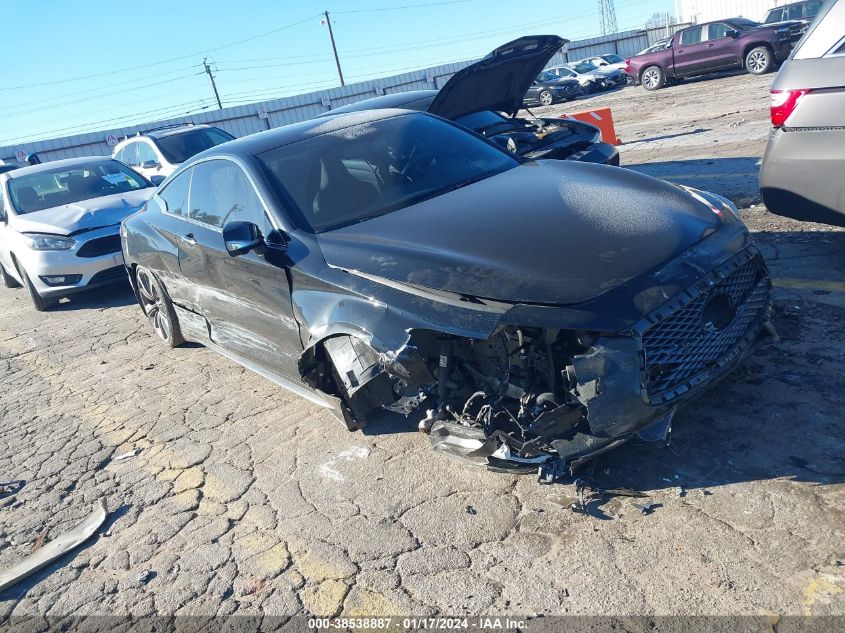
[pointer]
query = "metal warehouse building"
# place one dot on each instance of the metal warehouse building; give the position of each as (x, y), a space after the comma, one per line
(707, 10)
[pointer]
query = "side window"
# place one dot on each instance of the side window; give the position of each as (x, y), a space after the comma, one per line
(691, 36)
(221, 193)
(130, 155)
(145, 153)
(795, 12)
(175, 194)
(812, 8)
(775, 15)
(717, 31)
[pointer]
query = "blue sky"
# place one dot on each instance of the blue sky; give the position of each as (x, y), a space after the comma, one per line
(76, 67)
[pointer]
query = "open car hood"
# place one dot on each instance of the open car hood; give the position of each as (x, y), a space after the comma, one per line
(499, 81)
(549, 232)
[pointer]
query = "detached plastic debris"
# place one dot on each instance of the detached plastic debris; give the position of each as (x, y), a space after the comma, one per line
(56, 548)
(646, 508)
(133, 453)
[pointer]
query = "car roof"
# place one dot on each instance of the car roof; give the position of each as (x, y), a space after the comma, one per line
(161, 133)
(55, 164)
(395, 100)
(277, 137)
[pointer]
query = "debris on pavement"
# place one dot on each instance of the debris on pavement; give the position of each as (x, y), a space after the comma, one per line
(56, 548)
(133, 453)
(145, 576)
(646, 508)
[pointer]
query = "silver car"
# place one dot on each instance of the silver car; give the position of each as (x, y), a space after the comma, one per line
(60, 222)
(802, 170)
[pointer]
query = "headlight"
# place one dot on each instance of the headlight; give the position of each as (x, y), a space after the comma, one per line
(49, 242)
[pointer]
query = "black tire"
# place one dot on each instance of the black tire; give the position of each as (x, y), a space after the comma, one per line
(41, 304)
(8, 282)
(653, 78)
(545, 98)
(157, 307)
(759, 60)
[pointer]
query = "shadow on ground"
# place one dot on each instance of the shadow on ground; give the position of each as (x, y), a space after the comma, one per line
(111, 296)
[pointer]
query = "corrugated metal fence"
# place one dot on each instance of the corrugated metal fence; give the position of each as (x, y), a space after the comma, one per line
(264, 115)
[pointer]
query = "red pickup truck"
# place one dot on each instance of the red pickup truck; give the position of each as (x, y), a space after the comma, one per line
(714, 46)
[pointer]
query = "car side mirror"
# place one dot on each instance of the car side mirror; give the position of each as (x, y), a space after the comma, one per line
(242, 237)
(157, 179)
(150, 164)
(733, 33)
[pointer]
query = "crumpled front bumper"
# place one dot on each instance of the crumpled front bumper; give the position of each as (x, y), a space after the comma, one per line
(621, 392)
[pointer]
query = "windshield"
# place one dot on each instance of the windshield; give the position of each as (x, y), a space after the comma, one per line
(584, 67)
(547, 76)
(177, 148)
(743, 23)
(359, 172)
(56, 187)
(612, 59)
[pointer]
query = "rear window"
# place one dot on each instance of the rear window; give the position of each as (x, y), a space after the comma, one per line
(352, 174)
(177, 148)
(57, 187)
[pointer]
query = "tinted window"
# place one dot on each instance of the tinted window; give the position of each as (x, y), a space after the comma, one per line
(60, 186)
(175, 194)
(546, 76)
(795, 12)
(145, 153)
(179, 147)
(584, 67)
(563, 72)
(717, 31)
(691, 36)
(221, 193)
(812, 8)
(612, 59)
(411, 158)
(775, 15)
(129, 155)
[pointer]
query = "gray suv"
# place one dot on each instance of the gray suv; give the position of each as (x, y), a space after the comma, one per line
(802, 170)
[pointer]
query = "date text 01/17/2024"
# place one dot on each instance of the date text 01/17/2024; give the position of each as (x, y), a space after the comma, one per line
(416, 624)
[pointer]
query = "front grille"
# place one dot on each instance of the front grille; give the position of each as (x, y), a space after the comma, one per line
(109, 275)
(705, 334)
(100, 246)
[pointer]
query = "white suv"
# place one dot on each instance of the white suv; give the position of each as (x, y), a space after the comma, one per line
(158, 152)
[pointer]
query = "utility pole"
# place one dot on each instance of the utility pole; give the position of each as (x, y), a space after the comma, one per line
(213, 85)
(334, 48)
(608, 17)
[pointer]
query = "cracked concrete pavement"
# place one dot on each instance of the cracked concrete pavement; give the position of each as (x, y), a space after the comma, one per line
(247, 499)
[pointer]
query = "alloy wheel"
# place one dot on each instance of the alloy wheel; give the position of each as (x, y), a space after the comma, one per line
(546, 98)
(650, 78)
(757, 61)
(153, 304)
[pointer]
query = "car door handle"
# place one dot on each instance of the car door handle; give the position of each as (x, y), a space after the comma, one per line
(190, 239)
(709, 46)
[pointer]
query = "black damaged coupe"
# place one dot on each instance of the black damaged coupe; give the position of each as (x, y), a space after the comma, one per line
(533, 313)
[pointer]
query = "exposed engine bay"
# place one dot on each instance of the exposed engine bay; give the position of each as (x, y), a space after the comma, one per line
(536, 138)
(534, 399)
(511, 403)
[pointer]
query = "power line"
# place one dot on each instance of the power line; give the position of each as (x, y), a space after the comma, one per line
(165, 112)
(164, 61)
(407, 6)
